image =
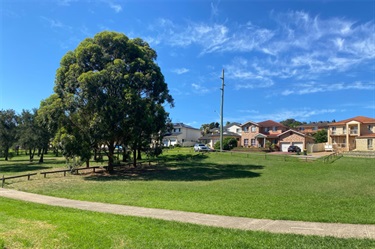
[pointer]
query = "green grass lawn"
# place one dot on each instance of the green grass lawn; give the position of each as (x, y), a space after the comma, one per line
(29, 225)
(231, 184)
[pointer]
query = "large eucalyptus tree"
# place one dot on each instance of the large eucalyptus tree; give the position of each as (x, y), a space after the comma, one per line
(110, 87)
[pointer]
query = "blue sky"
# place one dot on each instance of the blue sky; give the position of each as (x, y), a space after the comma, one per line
(307, 60)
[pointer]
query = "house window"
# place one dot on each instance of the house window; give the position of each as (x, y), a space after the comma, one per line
(333, 130)
(246, 142)
(177, 130)
(253, 128)
(344, 130)
(369, 127)
(238, 130)
(315, 128)
(369, 144)
(266, 129)
(246, 129)
(252, 142)
(354, 130)
(274, 128)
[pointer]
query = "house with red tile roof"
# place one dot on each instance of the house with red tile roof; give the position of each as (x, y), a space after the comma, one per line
(356, 133)
(258, 134)
(312, 128)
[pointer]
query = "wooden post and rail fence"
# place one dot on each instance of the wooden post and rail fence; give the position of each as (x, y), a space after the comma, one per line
(76, 170)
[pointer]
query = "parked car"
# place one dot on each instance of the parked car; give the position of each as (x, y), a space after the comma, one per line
(201, 147)
(294, 148)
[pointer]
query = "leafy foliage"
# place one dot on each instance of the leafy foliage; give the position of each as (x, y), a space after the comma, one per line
(228, 143)
(8, 131)
(205, 128)
(110, 91)
(291, 123)
(321, 136)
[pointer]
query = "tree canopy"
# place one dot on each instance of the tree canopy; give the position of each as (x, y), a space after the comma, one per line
(321, 136)
(110, 91)
(8, 130)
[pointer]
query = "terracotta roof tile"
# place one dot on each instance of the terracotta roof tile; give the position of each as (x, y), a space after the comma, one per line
(361, 119)
(372, 135)
(270, 123)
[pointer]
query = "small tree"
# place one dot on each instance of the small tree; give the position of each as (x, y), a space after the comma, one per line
(321, 136)
(228, 143)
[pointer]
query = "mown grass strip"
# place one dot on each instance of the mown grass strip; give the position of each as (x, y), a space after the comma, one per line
(28, 225)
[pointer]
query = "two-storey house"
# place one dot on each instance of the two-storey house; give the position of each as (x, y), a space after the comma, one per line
(181, 134)
(312, 128)
(356, 133)
(257, 134)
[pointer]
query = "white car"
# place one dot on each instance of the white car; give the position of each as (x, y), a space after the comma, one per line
(200, 147)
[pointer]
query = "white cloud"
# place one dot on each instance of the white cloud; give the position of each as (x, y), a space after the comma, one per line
(301, 114)
(115, 6)
(199, 89)
(313, 87)
(180, 70)
(214, 9)
(65, 2)
(53, 23)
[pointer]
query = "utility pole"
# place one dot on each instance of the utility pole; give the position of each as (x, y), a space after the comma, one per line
(221, 112)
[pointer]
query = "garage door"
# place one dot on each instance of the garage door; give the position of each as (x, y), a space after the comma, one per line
(299, 144)
(284, 147)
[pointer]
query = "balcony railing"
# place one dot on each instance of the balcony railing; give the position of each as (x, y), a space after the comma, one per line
(338, 133)
(353, 132)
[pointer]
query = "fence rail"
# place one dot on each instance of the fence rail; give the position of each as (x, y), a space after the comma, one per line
(13, 177)
(332, 157)
(76, 170)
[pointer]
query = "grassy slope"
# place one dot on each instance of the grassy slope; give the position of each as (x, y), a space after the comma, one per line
(237, 185)
(27, 225)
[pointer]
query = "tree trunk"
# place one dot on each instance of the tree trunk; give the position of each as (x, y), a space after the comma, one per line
(124, 155)
(87, 163)
(135, 158)
(111, 150)
(139, 155)
(6, 153)
(31, 155)
(95, 154)
(41, 157)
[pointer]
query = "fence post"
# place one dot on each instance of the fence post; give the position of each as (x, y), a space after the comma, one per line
(2, 182)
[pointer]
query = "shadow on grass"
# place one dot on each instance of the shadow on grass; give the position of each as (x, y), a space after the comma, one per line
(181, 171)
(17, 168)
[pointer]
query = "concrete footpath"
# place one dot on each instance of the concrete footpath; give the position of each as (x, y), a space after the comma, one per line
(273, 226)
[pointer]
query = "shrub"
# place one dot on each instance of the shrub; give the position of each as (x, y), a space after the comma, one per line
(228, 143)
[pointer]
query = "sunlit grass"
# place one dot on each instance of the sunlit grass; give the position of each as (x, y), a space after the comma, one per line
(231, 184)
(28, 225)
